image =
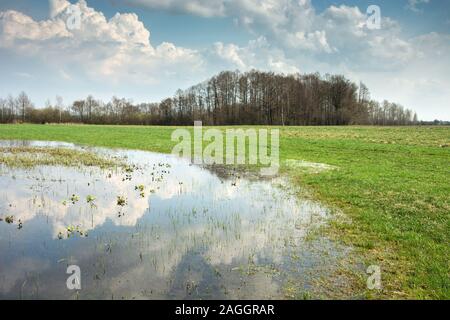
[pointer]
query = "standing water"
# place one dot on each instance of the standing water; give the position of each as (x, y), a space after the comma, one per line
(158, 228)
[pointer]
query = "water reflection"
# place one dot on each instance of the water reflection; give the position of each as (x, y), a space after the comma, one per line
(184, 232)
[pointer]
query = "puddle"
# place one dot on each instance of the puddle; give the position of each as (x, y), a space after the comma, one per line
(163, 229)
(309, 166)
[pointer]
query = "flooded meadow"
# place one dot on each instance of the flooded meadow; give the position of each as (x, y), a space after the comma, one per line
(143, 225)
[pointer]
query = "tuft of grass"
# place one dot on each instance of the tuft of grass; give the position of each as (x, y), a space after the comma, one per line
(9, 219)
(121, 201)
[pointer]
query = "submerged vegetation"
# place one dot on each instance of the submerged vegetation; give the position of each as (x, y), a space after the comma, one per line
(35, 156)
(121, 201)
(72, 231)
(11, 219)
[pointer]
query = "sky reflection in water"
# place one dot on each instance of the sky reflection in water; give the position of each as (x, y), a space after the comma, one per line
(193, 234)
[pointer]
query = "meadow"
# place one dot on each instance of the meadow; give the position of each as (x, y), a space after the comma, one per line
(391, 184)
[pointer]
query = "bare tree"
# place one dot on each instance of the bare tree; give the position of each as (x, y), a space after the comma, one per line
(79, 108)
(23, 102)
(60, 106)
(3, 110)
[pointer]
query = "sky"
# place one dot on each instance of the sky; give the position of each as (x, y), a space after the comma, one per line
(145, 50)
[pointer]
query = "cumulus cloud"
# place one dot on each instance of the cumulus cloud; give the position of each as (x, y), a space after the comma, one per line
(18, 29)
(295, 27)
(257, 54)
(57, 6)
(230, 53)
(287, 34)
(204, 8)
(111, 49)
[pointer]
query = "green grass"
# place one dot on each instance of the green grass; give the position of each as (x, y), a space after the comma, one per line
(393, 182)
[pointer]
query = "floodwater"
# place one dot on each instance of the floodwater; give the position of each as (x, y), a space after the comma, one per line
(163, 229)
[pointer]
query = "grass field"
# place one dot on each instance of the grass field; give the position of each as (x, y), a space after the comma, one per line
(392, 182)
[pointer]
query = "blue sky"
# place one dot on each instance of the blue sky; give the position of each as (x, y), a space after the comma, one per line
(155, 47)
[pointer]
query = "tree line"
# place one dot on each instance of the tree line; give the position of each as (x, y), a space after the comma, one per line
(229, 98)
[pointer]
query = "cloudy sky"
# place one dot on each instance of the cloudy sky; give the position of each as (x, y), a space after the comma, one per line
(147, 49)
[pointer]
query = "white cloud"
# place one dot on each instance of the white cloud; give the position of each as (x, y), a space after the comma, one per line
(17, 28)
(296, 28)
(23, 75)
(203, 8)
(313, 41)
(57, 6)
(114, 50)
(230, 53)
(412, 4)
(336, 36)
(257, 54)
